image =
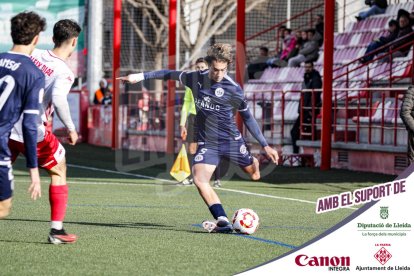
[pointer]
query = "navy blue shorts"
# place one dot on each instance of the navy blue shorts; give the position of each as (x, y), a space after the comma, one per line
(6, 180)
(236, 151)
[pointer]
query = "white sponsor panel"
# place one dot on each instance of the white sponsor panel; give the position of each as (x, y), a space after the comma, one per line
(376, 242)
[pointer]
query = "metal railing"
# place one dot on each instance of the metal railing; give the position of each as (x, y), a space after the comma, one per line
(372, 119)
(343, 73)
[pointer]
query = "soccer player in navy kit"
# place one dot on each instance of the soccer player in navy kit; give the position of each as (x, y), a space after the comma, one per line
(217, 97)
(21, 83)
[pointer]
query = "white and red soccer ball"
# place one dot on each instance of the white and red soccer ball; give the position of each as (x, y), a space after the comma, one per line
(245, 221)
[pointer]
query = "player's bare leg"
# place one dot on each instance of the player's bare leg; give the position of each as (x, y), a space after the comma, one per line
(58, 197)
(202, 174)
(5, 207)
(253, 170)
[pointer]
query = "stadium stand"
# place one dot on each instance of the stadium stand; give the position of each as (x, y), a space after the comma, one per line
(354, 93)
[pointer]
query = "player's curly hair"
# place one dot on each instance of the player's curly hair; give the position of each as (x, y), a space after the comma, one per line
(25, 26)
(219, 52)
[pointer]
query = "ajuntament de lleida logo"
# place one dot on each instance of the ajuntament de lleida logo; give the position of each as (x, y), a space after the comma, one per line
(384, 212)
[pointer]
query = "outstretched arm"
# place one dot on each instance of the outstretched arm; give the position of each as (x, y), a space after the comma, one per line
(159, 75)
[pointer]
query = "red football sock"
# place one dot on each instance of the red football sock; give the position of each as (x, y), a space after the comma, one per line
(58, 198)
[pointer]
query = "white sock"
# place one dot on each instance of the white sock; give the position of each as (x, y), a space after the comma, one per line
(58, 225)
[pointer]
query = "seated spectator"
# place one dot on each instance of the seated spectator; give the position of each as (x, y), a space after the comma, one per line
(319, 28)
(309, 51)
(311, 104)
(301, 38)
(376, 7)
(393, 30)
(405, 29)
(257, 66)
(289, 43)
(100, 93)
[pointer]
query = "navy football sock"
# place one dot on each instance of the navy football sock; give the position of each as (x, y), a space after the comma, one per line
(217, 210)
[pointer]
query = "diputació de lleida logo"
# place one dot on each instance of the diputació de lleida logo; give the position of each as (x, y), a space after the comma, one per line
(384, 212)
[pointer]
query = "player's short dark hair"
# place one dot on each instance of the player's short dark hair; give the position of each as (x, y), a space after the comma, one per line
(201, 59)
(219, 52)
(25, 26)
(65, 29)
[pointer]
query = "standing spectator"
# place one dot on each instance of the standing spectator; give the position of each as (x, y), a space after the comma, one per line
(403, 36)
(319, 28)
(107, 99)
(100, 93)
(311, 101)
(393, 30)
(407, 115)
(376, 7)
(259, 64)
(309, 51)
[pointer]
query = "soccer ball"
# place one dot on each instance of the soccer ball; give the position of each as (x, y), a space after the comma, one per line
(245, 221)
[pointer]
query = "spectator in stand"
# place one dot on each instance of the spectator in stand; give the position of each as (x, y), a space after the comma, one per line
(107, 100)
(393, 29)
(309, 51)
(289, 44)
(311, 100)
(258, 65)
(301, 38)
(403, 36)
(100, 93)
(319, 28)
(407, 116)
(376, 7)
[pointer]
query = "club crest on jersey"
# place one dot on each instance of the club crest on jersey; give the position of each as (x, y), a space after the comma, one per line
(219, 92)
(243, 149)
(198, 158)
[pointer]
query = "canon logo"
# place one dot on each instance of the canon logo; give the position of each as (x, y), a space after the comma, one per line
(303, 260)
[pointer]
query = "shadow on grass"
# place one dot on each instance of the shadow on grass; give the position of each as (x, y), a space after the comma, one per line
(137, 225)
(30, 242)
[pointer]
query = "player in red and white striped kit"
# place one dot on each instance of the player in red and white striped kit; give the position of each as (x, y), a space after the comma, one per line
(51, 154)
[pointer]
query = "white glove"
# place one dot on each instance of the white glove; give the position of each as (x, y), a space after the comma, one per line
(132, 78)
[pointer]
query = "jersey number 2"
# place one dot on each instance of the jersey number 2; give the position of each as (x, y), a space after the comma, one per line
(5, 90)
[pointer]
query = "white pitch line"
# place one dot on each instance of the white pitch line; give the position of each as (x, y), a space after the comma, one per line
(161, 179)
(264, 195)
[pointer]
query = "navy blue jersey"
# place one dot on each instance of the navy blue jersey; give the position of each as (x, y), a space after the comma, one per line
(216, 104)
(21, 83)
